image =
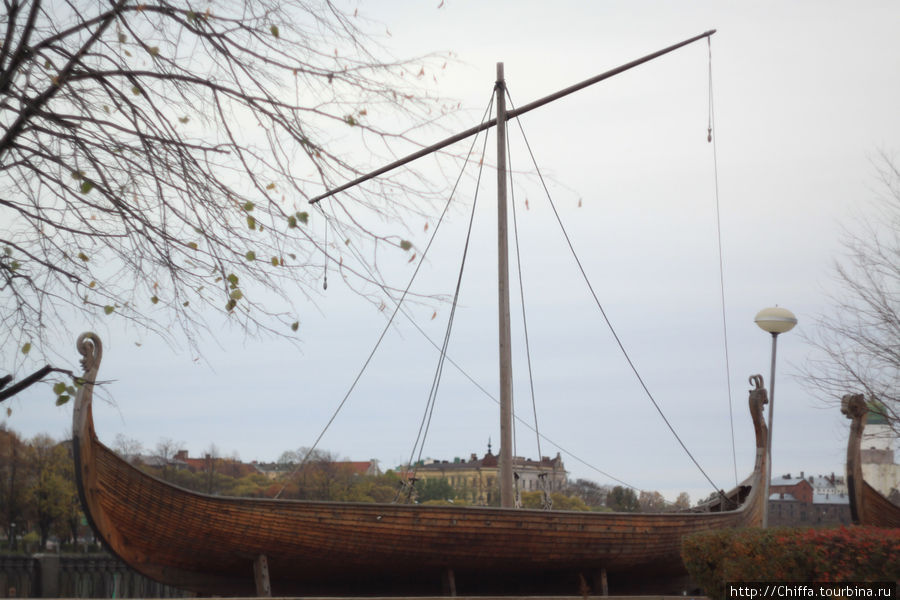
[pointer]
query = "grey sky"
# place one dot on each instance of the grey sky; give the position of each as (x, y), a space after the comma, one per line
(806, 94)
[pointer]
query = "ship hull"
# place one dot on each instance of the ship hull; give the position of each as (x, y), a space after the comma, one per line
(209, 544)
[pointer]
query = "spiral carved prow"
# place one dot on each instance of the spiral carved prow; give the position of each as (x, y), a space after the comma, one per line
(759, 397)
(91, 349)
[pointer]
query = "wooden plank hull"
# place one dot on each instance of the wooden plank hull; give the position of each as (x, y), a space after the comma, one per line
(208, 544)
(867, 505)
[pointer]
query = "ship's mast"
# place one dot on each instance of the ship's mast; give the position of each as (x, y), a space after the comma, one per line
(507, 499)
(506, 417)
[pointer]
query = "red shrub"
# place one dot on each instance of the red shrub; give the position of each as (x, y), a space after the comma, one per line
(845, 554)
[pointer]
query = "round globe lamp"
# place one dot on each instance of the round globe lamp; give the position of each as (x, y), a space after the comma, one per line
(774, 320)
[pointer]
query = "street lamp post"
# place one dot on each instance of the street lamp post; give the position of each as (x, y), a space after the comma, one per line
(775, 320)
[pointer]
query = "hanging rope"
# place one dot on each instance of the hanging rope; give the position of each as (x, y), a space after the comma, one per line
(547, 502)
(425, 425)
(384, 331)
(405, 312)
(710, 138)
(600, 306)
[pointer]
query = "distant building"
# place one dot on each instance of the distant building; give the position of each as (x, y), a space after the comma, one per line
(477, 479)
(819, 501)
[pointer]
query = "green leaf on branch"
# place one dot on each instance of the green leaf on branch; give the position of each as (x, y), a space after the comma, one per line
(251, 255)
(86, 186)
(271, 186)
(83, 256)
(135, 90)
(60, 400)
(192, 245)
(233, 280)
(406, 244)
(275, 261)
(251, 222)
(248, 206)
(26, 348)
(303, 217)
(184, 119)
(292, 221)
(109, 309)
(153, 50)
(295, 325)
(59, 388)
(236, 295)
(154, 299)
(231, 304)
(274, 30)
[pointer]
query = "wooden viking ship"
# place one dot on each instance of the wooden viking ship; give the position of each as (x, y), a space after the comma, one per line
(218, 545)
(867, 505)
(235, 546)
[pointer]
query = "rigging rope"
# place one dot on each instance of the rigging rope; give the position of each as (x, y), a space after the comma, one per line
(710, 138)
(432, 397)
(600, 306)
(512, 191)
(383, 332)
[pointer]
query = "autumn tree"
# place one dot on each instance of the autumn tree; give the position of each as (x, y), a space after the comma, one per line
(434, 490)
(157, 157)
(13, 484)
(164, 454)
(51, 488)
(591, 493)
(651, 502)
(623, 499)
(128, 448)
(857, 342)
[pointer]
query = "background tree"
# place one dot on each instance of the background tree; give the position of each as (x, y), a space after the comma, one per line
(858, 342)
(434, 491)
(156, 158)
(13, 484)
(128, 448)
(622, 499)
(164, 454)
(51, 489)
(651, 502)
(591, 493)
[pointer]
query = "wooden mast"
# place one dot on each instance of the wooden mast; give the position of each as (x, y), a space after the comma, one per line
(507, 498)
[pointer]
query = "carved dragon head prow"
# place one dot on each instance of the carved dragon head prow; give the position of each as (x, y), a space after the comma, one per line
(853, 406)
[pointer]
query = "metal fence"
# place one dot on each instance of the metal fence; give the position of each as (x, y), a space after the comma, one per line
(76, 576)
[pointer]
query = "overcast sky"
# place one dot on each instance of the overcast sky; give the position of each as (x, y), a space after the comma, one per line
(806, 95)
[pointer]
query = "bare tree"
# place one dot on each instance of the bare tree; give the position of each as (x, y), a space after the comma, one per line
(128, 448)
(164, 455)
(157, 156)
(858, 342)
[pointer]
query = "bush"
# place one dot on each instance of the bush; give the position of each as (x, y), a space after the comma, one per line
(845, 554)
